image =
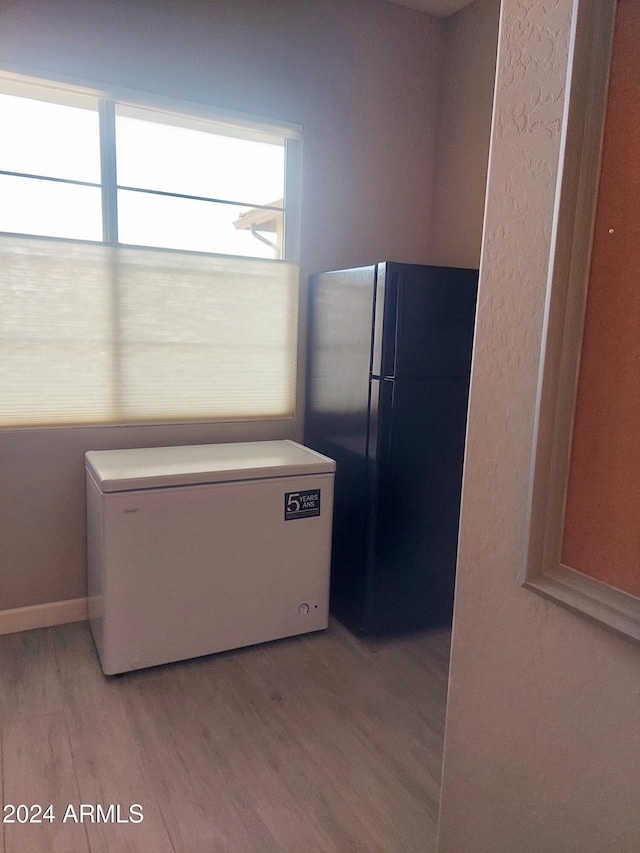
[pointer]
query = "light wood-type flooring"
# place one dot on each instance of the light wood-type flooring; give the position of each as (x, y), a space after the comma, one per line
(317, 743)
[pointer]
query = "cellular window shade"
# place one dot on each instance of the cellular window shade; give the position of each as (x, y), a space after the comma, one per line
(93, 333)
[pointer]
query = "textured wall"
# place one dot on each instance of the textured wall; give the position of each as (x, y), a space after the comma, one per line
(542, 750)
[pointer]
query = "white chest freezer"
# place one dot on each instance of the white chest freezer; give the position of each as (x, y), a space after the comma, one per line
(200, 549)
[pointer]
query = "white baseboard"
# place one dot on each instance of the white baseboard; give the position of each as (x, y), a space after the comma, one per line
(42, 615)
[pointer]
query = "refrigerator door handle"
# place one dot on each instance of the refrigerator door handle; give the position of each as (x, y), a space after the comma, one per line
(380, 431)
(385, 443)
(384, 332)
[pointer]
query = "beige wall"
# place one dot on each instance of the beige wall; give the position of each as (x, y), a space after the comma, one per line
(471, 38)
(362, 78)
(365, 79)
(541, 749)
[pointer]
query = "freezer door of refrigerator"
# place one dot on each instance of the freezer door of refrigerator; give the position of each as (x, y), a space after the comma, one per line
(339, 356)
(424, 321)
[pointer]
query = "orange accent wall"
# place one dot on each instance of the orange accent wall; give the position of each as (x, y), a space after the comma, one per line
(602, 521)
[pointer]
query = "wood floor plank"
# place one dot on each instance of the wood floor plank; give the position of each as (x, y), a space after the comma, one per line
(111, 769)
(432, 648)
(337, 649)
(188, 781)
(323, 742)
(323, 707)
(38, 769)
(423, 687)
(244, 740)
(359, 761)
(28, 675)
(109, 760)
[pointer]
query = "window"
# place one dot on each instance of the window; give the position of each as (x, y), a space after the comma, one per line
(172, 295)
(196, 189)
(49, 166)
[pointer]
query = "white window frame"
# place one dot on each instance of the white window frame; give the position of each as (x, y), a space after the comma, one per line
(72, 91)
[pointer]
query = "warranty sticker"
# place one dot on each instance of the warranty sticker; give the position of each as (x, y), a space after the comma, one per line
(301, 504)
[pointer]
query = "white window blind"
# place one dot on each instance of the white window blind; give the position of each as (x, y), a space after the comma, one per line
(109, 331)
(94, 333)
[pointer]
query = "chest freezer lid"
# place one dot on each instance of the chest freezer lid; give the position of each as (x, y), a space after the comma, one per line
(157, 467)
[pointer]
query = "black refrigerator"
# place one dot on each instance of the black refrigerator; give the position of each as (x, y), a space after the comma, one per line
(387, 388)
